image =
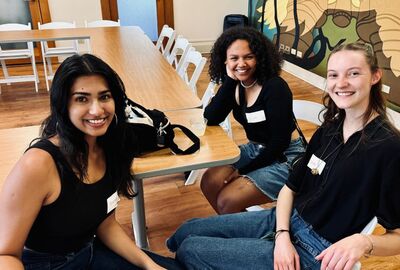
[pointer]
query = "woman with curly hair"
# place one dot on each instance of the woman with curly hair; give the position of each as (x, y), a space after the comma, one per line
(248, 66)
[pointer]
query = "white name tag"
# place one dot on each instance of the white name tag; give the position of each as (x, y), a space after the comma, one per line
(112, 202)
(255, 117)
(316, 165)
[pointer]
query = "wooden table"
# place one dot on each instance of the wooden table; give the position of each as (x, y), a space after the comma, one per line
(216, 149)
(148, 78)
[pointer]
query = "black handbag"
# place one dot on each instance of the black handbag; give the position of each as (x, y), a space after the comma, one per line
(157, 122)
(296, 161)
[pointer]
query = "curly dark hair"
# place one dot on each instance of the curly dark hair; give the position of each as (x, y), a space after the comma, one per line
(268, 58)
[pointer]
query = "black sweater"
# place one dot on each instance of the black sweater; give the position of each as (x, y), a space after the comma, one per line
(268, 121)
(360, 180)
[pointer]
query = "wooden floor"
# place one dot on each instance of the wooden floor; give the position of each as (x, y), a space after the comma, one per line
(168, 201)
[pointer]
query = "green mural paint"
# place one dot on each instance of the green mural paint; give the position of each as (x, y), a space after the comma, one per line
(335, 34)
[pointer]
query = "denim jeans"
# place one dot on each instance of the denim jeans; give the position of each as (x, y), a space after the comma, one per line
(94, 256)
(269, 179)
(242, 241)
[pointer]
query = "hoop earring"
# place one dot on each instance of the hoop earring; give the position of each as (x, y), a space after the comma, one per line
(116, 119)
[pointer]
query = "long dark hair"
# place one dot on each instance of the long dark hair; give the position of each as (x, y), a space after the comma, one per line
(268, 58)
(72, 142)
(376, 100)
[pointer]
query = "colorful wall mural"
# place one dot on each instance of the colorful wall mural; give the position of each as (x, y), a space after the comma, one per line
(307, 30)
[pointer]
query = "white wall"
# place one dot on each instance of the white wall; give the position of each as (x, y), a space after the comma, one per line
(75, 10)
(201, 21)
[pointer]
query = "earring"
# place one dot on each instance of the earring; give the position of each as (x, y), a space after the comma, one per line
(116, 119)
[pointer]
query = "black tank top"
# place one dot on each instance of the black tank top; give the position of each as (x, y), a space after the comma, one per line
(71, 220)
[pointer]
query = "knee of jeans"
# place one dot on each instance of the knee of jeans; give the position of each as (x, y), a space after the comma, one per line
(185, 230)
(190, 249)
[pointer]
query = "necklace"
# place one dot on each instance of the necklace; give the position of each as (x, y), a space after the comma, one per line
(320, 164)
(250, 85)
(317, 164)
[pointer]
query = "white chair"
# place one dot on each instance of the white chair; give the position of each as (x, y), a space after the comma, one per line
(181, 46)
(394, 117)
(226, 125)
(169, 34)
(48, 53)
(368, 230)
(18, 54)
(102, 23)
(192, 58)
(308, 111)
(99, 23)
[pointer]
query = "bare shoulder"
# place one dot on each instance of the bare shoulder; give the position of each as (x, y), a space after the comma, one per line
(35, 168)
(26, 189)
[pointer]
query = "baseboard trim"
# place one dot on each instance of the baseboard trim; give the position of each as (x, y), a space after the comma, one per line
(203, 46)
(305, 75)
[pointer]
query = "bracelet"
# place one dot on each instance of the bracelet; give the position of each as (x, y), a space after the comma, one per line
(369, 253)
(278, 232)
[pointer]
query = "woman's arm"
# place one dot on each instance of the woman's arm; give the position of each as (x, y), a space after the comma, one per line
(346, 252)
(222, 103)
(25, 190)
(285, 255)
(113, 236)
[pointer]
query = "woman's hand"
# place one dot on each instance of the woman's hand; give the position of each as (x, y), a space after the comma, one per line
(344, 253)
(285, 255)
(229, 72)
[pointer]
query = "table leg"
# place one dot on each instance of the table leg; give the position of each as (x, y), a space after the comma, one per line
(138, 215)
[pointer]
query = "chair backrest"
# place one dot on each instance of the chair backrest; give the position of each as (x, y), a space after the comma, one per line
(394, 117)
(308, 111)
(207, 96)
(102, 23)
(182, 46)
(57, 25)
(195, 58)
(169, 33)
(17, 27)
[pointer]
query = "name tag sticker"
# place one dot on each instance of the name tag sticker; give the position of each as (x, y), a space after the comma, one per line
(255, 117)
(112, 202)
(316, 165)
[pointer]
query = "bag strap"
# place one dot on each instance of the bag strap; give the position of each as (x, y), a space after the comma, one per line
(195, 140)
(303, 138)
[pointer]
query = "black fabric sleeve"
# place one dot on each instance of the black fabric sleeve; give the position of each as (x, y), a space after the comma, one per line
(278, 106)
(388, 212)
(295, 180)
(222, 103)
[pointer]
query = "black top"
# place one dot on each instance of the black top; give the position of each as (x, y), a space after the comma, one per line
(268, 121)
(72, 219)
(359, 181)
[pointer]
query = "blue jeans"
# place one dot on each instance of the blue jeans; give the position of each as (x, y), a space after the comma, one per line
(94, 256)
(242, 241)
(270, 179)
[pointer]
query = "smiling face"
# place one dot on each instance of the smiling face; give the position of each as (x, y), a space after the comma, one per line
(349, 81)
(91, 106)
(241, 61)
